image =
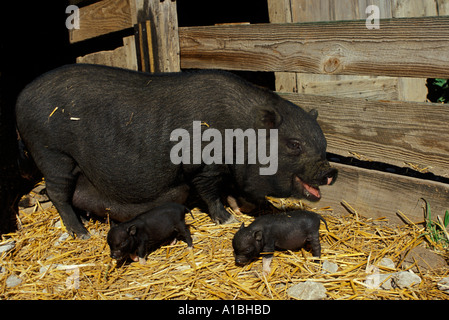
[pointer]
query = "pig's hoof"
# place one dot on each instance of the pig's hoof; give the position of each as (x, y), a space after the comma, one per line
(223, 217)
(84, 236)
(231, 219)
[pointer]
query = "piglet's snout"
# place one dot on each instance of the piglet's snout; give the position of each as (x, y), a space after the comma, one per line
(116, 255)
(241, 260)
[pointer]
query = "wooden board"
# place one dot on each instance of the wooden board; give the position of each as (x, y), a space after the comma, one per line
(121, 57)
(101, 18)
(380, 194)
(406, 89)
(393, 132)
(164, 22)
(410, 47)
(157, 35)
(376, 88)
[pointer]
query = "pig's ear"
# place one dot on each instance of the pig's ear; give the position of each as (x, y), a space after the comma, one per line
(242, 226)
(268, 117)
(314, 113)
(258, 235)
(132, 230)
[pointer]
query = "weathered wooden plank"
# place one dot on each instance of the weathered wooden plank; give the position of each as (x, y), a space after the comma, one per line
(410, 8)
(101, 18)
(121, 57)
(280, 11)
(443, 7)
(413, 89)
(410, 47)
(393, 132)
(165, 20)
(371, 88)
(380, 194)
(406, 89)
(161, 21)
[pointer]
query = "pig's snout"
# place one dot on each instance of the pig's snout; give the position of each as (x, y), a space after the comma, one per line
(329, 176)
(117, 255)
(241, 260)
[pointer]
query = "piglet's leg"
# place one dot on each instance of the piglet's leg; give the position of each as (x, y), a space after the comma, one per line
(266, 262)
(316, 246)
(184, 234)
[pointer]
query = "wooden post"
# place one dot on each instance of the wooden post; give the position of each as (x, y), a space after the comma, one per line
(157, 40)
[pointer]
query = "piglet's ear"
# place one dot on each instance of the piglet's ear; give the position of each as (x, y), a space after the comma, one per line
(314, 113)
(258, 235)
(132, 230)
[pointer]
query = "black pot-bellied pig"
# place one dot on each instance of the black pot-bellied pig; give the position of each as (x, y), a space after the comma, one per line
(283, 231)
(149, 230)
(116, 129)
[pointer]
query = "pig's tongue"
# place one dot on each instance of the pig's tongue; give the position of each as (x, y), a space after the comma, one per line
(313, 191)
(134, 257)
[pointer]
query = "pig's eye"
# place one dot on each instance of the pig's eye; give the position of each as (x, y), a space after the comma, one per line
(294, 145)
(124, 244)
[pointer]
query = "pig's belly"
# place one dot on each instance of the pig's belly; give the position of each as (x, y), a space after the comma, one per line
(292, 241)
(89, 199)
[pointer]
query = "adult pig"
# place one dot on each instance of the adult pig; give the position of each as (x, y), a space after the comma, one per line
(113, 127)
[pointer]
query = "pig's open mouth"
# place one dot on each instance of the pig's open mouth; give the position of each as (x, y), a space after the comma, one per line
(310, 192)
(134, 257)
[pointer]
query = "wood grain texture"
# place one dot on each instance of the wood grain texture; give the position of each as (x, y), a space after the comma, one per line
(101, 18)
(121, 57)
(164, 20)
(379, 194)
(376, 88)
(405, 89)
(410, 47)
(392, 132)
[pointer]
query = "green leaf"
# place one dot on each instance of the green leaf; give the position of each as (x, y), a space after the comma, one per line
(428, 213)
(440, 82)
(446, 219)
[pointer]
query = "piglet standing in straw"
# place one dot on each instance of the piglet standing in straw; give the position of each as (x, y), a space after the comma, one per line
(286, 231)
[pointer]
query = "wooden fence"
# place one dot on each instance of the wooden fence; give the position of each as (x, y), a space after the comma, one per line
(400, 133)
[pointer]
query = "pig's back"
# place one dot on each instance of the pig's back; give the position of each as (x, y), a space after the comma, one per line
(116, 124)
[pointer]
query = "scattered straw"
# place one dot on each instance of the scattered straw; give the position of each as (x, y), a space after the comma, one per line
(52, 267)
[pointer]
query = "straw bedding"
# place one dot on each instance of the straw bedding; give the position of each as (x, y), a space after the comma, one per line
(50, 265)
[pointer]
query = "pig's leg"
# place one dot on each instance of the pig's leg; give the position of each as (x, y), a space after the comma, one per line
(207, 184)
(268, 257)
(142, 250)
(184, 233)
(87, 198)
(266, 262)
(316, 246)
(233, 204)
(60, 183)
